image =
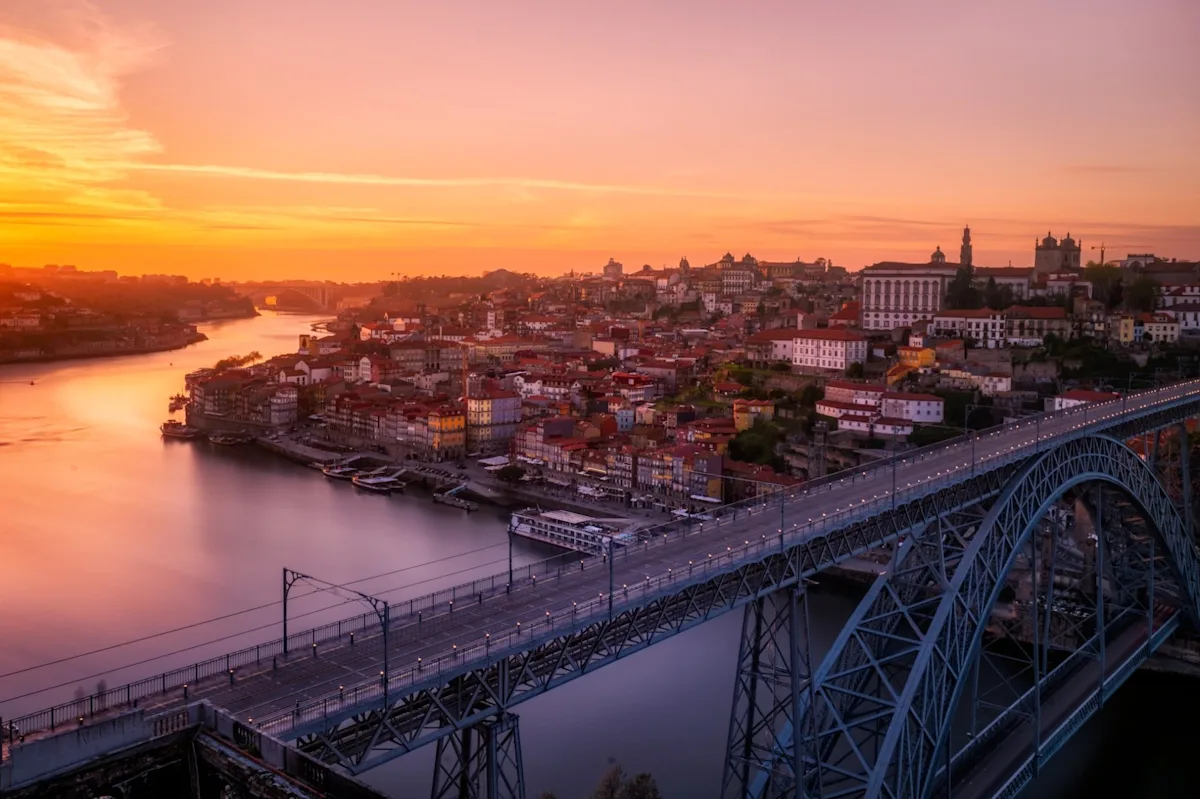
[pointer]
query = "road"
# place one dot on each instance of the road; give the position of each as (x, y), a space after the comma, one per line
(582, 594)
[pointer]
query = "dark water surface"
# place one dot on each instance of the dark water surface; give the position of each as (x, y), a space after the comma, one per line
(108, 533)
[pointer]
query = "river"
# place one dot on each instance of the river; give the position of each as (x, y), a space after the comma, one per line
(108, 533)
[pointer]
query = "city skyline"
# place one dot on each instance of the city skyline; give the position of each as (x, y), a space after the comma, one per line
(223, 140)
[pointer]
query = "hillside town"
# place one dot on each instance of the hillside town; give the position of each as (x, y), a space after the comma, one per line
(711, 383)
(59, 311)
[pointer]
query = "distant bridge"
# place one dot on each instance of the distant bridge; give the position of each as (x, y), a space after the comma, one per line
(319, 297)
(914, 700)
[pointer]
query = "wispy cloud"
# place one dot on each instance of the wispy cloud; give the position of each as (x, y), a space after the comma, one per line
(366, 179)
(1103, 169)
(63, 131)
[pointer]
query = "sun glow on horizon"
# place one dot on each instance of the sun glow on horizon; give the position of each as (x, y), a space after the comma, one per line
(219, 139)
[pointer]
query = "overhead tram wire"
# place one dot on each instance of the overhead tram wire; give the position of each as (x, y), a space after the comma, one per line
(260, 628)
(234, 614)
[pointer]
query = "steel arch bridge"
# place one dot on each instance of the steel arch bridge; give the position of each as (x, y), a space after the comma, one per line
(1068, 621)
(880, 715)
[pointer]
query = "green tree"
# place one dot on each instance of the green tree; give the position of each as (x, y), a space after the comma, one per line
(809, 395)
(511, 473)
(781, 366)
(855, 370)
(1142, 294)
(757, 445)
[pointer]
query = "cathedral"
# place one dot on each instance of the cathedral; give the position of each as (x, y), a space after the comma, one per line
(1055, 256)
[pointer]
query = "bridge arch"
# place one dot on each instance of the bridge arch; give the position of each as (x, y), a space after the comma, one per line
(916, 650)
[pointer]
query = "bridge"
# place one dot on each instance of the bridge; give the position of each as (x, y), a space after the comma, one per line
(1032, 567)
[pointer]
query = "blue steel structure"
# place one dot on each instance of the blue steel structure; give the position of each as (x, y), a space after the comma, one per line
(883, 715)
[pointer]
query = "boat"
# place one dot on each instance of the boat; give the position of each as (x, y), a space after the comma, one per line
(227, 439)
(178, 403)
(174, 429)
(379, 483)
(340, 472)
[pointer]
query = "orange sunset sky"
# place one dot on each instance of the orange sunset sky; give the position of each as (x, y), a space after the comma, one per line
(360, 138)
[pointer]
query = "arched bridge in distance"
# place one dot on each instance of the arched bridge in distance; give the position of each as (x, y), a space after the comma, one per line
(1031, 569)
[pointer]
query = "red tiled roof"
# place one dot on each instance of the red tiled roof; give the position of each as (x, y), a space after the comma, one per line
(847, 384)
(1037, 312)
(906, 395)
(830, 334)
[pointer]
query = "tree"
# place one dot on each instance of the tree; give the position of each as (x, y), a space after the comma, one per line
(757, 445)
(997, 297)
(809, 395)
(640, 787)
(855, 370)
(781, 366)
(961, 293)
(610, 784)
(511, 473)
(1106, 281)
(1142, 294)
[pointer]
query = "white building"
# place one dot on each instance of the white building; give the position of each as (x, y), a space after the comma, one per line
(830, 349)
(982, 325)
(898, 294)
(920, 408)
(1187, 314)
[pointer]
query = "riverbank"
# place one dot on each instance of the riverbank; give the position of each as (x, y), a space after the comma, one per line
(96, 354)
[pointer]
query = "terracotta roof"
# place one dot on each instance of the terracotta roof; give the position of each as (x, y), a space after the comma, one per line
(830, 334)
(1037, 312)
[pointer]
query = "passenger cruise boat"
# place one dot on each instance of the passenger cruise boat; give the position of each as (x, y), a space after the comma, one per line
(174, 429)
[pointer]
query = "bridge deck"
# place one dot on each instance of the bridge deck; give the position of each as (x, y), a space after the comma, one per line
(262, 690)
(995, 769)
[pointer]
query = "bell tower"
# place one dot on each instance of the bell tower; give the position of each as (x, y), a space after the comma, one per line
(964, 252)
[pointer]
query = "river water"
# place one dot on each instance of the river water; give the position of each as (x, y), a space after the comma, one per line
(108, 533)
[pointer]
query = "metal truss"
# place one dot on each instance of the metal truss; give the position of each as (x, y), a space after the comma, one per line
(454, 700)
(450, 699)
(763, 758)
(887, 694)
(482, 761)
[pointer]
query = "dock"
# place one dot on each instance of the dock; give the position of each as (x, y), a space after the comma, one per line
(449, 498)
(456, 502)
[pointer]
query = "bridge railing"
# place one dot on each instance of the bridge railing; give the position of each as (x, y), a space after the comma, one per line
(525, 578)
(583, 614)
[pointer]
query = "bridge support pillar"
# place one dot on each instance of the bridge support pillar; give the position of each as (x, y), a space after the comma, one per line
(482, 761)
(765, 756)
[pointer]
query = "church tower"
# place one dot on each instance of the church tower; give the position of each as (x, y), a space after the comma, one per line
(964, 252)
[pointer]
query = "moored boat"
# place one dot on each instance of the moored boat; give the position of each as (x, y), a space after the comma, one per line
(379, 483)
(227, 439)
(340, 472)
(174, 429)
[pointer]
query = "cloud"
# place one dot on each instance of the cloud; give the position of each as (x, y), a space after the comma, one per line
(62, 128)
(367, 179)
(1103, 169)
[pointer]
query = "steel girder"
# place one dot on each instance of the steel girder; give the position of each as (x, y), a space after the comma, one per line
(361, 740)
(482, 761)
(773, 670)
(916, 652)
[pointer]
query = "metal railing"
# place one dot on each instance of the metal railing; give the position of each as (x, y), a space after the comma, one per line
(526, 577)
(581, 615)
